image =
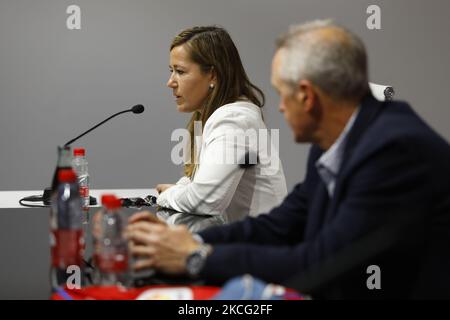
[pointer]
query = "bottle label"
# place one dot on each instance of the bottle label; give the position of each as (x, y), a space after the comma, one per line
(114, 262)
(84, 191)
(67, 247)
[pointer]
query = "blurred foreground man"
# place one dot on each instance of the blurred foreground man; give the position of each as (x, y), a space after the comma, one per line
(374, 168)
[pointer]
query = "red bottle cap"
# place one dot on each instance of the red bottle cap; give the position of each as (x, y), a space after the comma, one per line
(110, 201)
(67, 176)
(79, 152)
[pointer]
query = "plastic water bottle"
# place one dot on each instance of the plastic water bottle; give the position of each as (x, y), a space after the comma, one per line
(66, 233)
(80, 165)
(110, 245)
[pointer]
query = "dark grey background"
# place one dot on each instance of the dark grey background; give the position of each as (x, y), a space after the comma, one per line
(55, 83)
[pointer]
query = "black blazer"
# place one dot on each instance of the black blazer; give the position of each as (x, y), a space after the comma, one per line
(395, 166)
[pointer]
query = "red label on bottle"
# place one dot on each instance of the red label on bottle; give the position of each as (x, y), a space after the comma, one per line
(84, 191)
(67, 248)
(111, 262)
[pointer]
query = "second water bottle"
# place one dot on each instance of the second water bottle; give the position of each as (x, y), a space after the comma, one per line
(110, 245)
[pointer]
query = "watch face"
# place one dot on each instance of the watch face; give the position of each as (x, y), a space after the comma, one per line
(195, 263)
(196, 260)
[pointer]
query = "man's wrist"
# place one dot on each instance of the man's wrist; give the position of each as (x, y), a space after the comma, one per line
(196, 260)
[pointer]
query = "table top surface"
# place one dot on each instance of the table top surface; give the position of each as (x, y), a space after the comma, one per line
(10, 199)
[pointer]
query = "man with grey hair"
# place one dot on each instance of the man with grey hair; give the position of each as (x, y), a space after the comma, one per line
(374, 197)
(338, 66)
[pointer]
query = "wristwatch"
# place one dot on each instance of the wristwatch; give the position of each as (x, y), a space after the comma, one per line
(196, 260)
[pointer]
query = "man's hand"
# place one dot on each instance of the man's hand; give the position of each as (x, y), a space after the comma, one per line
(163, 187)
(158, 245)
(145, 216)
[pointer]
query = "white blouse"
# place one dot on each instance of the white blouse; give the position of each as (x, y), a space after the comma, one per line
(247, 192)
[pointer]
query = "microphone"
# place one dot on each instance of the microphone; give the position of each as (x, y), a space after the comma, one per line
(137, 109)
(45, 198)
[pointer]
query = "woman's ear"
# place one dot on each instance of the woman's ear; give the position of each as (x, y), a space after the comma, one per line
(213, 76)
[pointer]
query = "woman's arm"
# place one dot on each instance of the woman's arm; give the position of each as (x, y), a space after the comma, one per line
(219, 158)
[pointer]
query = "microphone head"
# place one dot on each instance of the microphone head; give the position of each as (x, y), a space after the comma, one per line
(249, 160)
(139, 108)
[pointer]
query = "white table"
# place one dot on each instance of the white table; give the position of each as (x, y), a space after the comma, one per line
(10, 199)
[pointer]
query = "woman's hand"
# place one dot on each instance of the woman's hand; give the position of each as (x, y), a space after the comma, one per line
(158, 245)
(163, 187)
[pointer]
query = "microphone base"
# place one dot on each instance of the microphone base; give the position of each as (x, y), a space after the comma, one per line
(46, 198)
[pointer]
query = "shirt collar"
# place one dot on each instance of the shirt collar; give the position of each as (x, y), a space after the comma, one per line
(331, 160)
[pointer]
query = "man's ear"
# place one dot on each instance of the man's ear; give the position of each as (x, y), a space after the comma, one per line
(306, 95)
